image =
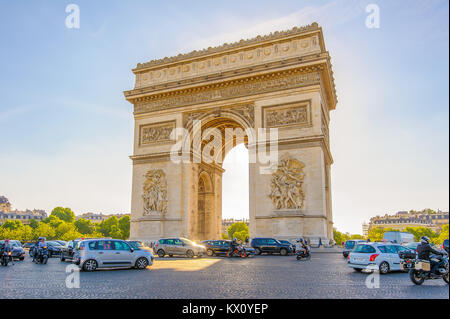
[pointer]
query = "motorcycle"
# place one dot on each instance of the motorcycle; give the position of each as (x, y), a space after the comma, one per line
(420, 270)
(6, 257)
(41, 255)
(238, 251)
(303, 253)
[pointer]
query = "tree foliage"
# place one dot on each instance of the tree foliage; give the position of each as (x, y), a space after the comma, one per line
(239, 230)
(61, 224)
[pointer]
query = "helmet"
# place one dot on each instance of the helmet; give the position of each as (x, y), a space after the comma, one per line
(235, 239)
(425, 240)
(300, 240)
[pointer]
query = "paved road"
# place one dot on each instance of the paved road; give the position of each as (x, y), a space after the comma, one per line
(324, 276)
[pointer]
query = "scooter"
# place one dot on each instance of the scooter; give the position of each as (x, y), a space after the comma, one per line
(238, 251)
(303, 253)
(6, 257)
(42, 255)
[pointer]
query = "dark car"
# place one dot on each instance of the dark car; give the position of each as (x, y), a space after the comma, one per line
(270, 246)
(445, 245)
(61, 242)
(288, 243)
(67, 251)
(54, 248)
(28, 245)
(17, 252)
(220, 247)
(349, 245)
(216, 247)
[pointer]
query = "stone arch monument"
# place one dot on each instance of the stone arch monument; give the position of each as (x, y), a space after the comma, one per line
(280, 81)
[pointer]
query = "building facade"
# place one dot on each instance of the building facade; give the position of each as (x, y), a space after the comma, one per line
(99, 217)
(6, 213)
(403, 219)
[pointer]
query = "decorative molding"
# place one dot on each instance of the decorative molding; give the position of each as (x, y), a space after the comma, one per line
(156, 133)
(155, 192)
(286, 185)
(211, 50)
(232, 89)
(247, 111)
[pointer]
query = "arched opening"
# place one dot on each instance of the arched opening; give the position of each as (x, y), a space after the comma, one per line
(235, 187)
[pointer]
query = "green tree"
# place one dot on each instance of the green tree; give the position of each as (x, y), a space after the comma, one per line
(377, 233)
(115, 232)
(105, 227)
(340, 237)
(356, 236)
(12, 224)
(418, 232)
(225, 236)
(124, 226)
(238, 227)
(44, 230)
(65, 214)
(33, 223)
(442, 236)
(85, 226)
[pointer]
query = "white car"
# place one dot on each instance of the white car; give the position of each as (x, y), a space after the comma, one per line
(376, 256)
(110, 253)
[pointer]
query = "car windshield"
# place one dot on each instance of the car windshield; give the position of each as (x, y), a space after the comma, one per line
(364, 249)
(349, 244)
(188, 242)
(135, 244)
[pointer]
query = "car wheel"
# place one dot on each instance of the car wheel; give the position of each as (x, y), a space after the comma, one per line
(190, 254)
(170, 255)
(384, 268)
(61, 257)
(161, 253)
(90, 265)
(258, 251)
(283, 252)
(141, 263)
(210, 252)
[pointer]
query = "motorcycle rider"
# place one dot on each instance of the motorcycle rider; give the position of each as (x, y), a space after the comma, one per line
(8, 248)
(424, 250)
(40, 245)
(302, 246)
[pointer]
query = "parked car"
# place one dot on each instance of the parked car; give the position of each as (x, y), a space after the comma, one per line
(138, 245)
(28, 245)
(178, 246)
(61, 242)
(349, 245)
(93, 254)
(288, 243)
(18, 252)
(54, 249)
(270, 246)
(68, 250)
(398, 237)
(221, 247)
(382, 256)
(445, 245)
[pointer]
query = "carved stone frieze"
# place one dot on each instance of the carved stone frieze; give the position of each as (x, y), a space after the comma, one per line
(286, 185)
(288, 115)
(232, 89)
(156, 133)
(155, 192)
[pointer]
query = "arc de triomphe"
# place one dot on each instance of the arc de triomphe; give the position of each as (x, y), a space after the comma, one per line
(284, 81)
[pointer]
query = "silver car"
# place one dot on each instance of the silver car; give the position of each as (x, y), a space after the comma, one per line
(110, 253)
(376, 256)
(178, 246)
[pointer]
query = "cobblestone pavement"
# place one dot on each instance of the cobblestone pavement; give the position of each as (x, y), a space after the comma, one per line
(326, 275)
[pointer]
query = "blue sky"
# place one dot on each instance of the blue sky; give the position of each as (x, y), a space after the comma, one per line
(66, 131)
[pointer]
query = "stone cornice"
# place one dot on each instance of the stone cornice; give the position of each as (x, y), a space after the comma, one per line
(257, 84)
(227, 46)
